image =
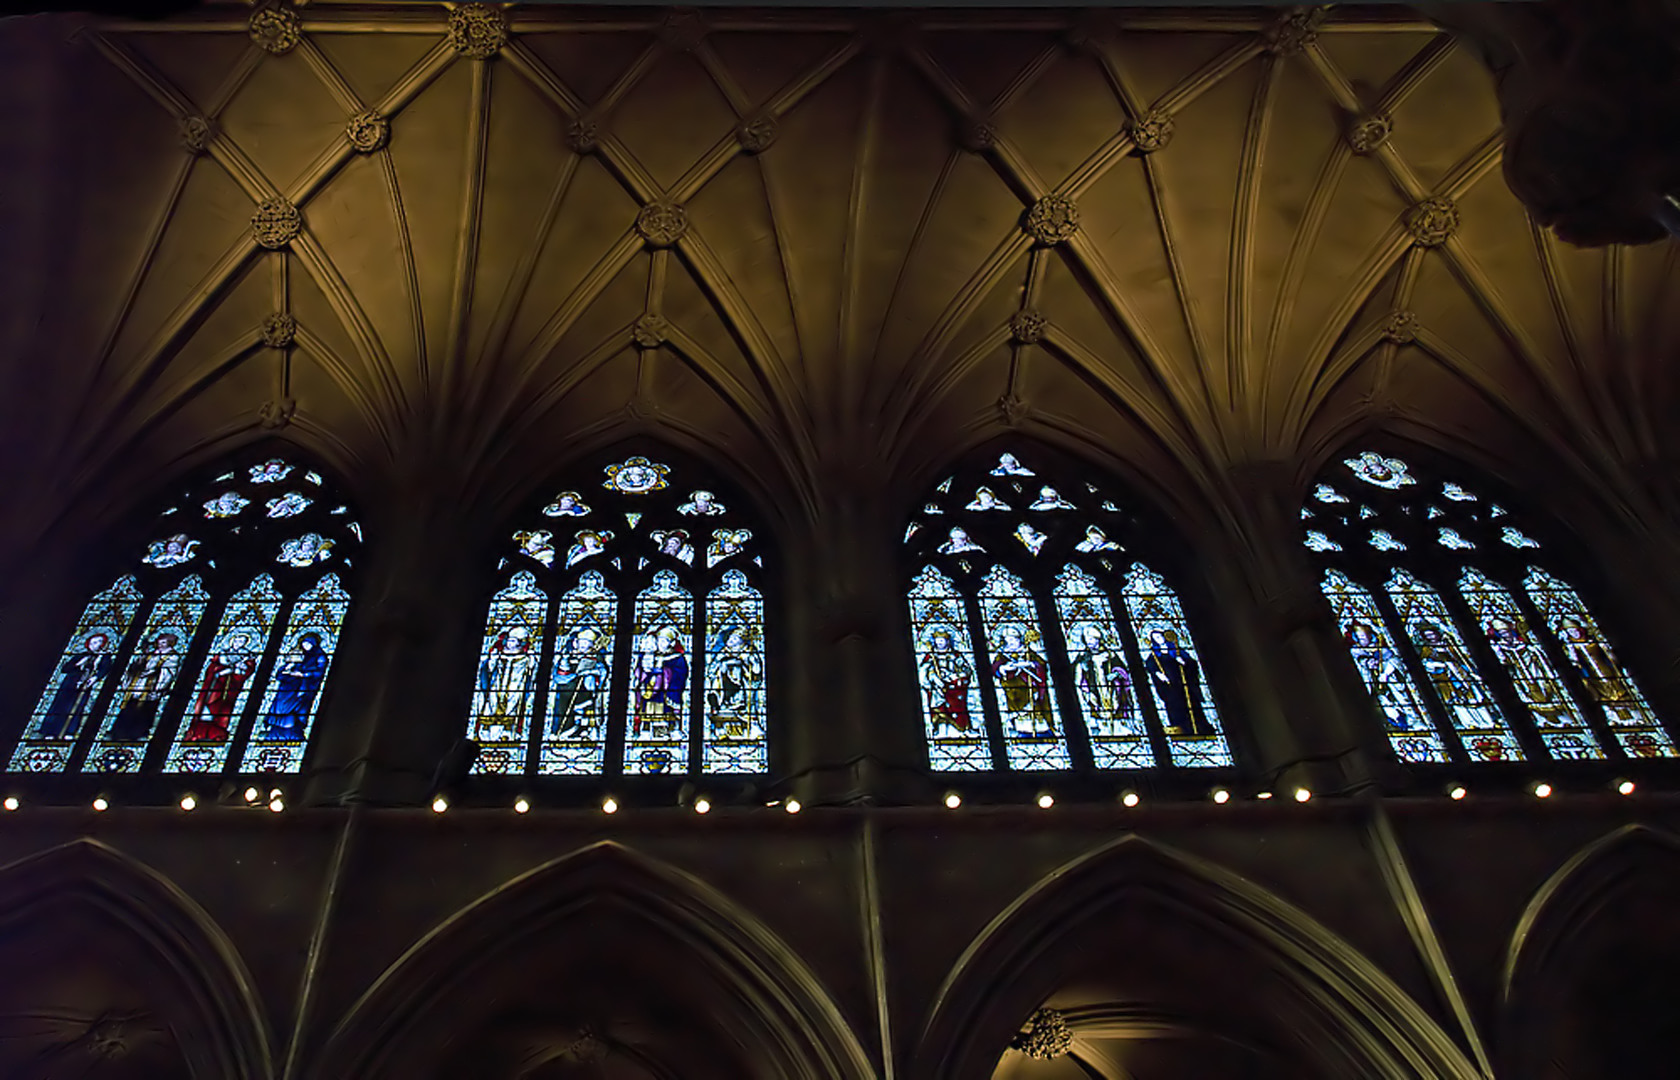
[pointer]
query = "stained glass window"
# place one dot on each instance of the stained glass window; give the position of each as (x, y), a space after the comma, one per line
(1042, 642)
(628, 633)
(212, 656)
(1460, 623)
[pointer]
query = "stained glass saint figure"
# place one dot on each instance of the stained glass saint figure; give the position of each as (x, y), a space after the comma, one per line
(1032, 730)
(1030, 538)
(1452, 675)
(734, 705)
(589, 543)
(67, 705)
(575, 737)
(133, 713)
(1588, 653)
(1102, 683)
(1410, 729)
(225, 682)
(293, 698)
(958, 543)
(985, 500)
(950, 688)
(727, 543)
(657, 741)
(1174, 671)
(1008, 466)
(507, 667)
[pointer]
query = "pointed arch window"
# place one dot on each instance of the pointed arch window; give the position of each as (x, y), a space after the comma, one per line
(211, 656)
(1462, 626)
(626, 636)
(1045, 636)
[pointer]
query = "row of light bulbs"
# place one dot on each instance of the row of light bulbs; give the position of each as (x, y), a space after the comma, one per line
(276, 799)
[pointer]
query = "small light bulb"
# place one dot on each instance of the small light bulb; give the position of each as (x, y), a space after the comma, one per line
(101, 804)
(609, 805)
(12, 802)
(522, 805)
(188, 802)
(1046, 801)
(792, 806)
(702, 805)
(1542, 790)
(1221, 796)
(276, 805)
(1625, 787)
(952, 800)
(276, 793)
(1457, 792)
(252, 794)
(1130, 798)
(1264, 795)
(1303, 795)
(439, 805)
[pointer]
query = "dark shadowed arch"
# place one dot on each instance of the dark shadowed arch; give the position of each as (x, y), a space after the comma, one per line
(177, 959)
(1593, 956)
(1344, 1016)
(766, 1002)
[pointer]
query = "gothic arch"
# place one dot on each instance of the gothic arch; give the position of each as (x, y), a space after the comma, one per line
(764, 998)
(1347, 1018)
(1602, 915)
(187, 968)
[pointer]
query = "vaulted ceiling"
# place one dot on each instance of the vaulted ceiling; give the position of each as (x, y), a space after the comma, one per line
(860, 257)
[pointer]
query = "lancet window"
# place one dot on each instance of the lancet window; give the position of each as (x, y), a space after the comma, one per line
(626, 634)
(1463, 625)
(211, 655)
(1045, 634)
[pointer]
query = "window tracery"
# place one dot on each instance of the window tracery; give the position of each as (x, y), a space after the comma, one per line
(212, 655)
(1041, 640)
(650, 659)
(1471, 646)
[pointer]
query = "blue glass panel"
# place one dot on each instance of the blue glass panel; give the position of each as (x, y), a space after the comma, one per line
(1556, 716)
(735, 732)
(286, 717)
(1410, 730)
(1632, 720)
(506, 690)
(575, 733)
(656, 740)
(1102, 684)
(132, 714)
(206, 731)
(1174, 672)
(945, 672)
(73, 691)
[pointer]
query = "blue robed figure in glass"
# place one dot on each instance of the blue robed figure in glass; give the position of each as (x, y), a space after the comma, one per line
(297, 684)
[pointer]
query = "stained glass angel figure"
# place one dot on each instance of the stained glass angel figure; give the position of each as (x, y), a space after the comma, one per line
(270, 472)
(1095, 540)
(1050, 499)
(701, 504)
(1008, 466)
(959, 542)
(1030, 537)
(675, 543)
(725, 543)
(227, 504)
(536, 544)
(985, 500)
(290, 504)
(174, 551)
(589, 542)
(306, 550)
(566, 504)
